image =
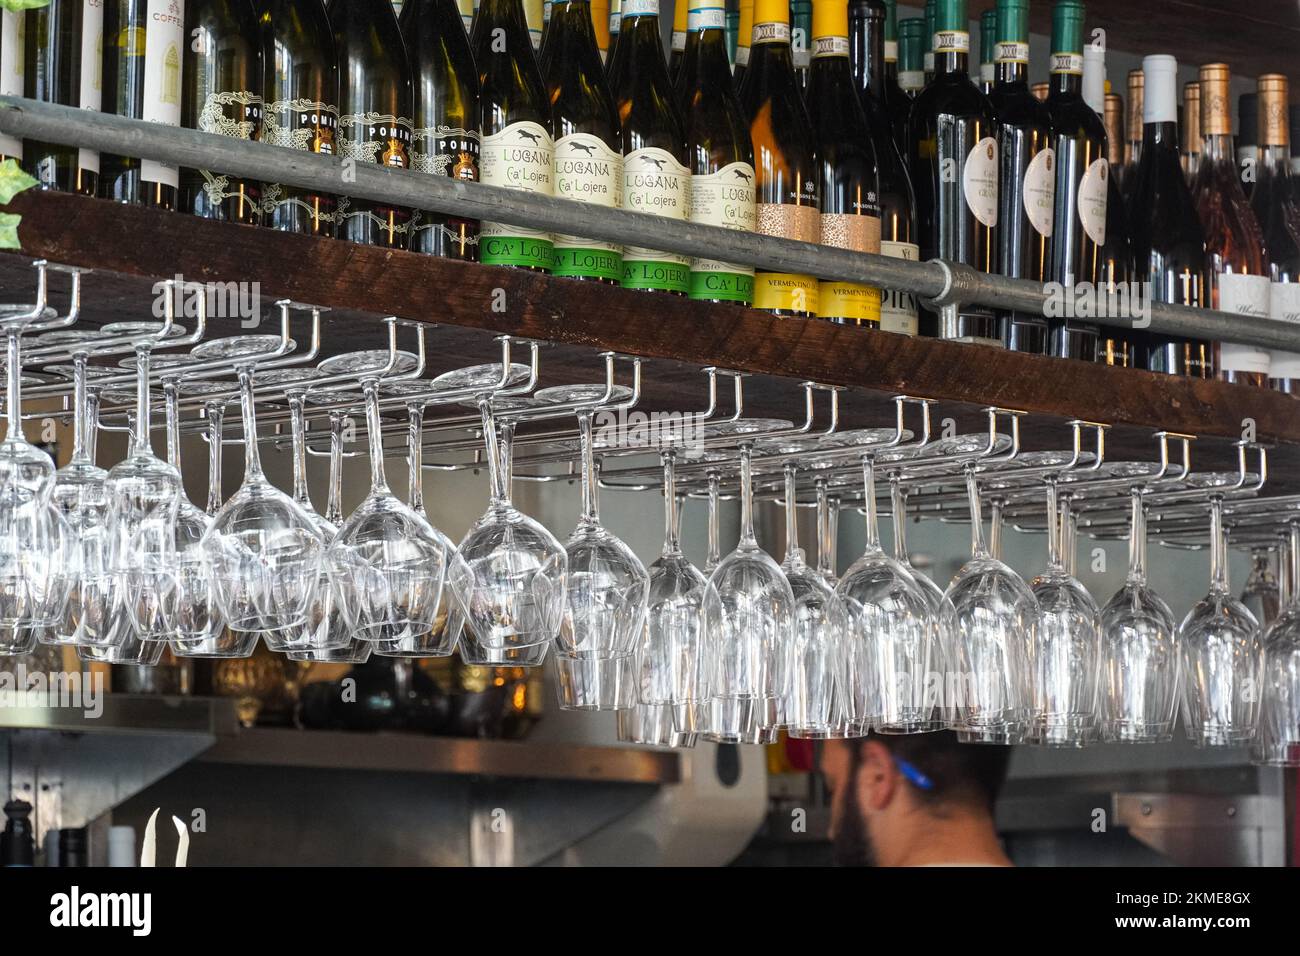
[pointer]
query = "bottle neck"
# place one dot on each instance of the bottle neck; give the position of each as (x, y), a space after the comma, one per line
(951, 63)
(1217, 148)
(1010, 73)
(1068, 84)
(867, 50)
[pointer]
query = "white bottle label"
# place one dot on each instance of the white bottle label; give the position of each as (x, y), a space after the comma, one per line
(1092, 200)
(1243, 295)
(655, 182)
(891, 51)
(897, 308)
(11, 70)
(706, 18)
(979, 180)
(587, 170)
(726, 198)
(1040, 191)
(521, 156)
(679, 41)
(91, 96)
(640, 8)
(1284, 304)
(164, 46)
(986, 73)
(742, 56)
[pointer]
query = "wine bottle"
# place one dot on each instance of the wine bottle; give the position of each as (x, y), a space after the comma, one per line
(868, 29)
(911, 68)
(1190, 128)
(375, 113)
(677, 44)
(850, 190)
(222, 94)
(61, 60)
(1041, 91)
(1295, 138)
(1134, 126)
(1116, 346)
(533, 17)
(12, 54)
(600, 23)
(656, 179)
(988, 58)
(1234, 244)
(301, 89)
(144, 43)
(1082, 181)
(953, 159)
(445, 117)
(869, 58)
(1026, 171)
(744, 37)
(785, 158)
(1273, 203)
(466, 8)
(1247, 147)
(517, 150)
(801, 39)
(720, 153)
(893, 92)
(588, 157)
(931, 13)
(733, 31)
(1165, 231)
(615, 25)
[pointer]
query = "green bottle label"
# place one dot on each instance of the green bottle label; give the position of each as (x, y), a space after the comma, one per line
(588, 264)
(656, 274)
(516, 251)
(722, 287)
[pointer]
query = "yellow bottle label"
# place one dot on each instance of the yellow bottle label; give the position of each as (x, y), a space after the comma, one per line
(786, 292)
(849, 301)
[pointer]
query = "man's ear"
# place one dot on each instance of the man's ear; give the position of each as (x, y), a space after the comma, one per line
(878, 780)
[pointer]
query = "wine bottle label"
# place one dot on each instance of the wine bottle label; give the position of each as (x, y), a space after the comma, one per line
(979, 180)
(851, 301)
(891, 51)
(785, 292)
(546, 11)
(1093, 192)
(91, 94)
(986, 73)
(1040, 191)
(11, 71)
(830, 46)
(742, 56)
(615, 19)
(1284, 304)
(521, 156)
(1067, 63)
(377, 139)
(1243, 295)
(706, 18)
(641, 8)
(655, 182)
(163, 42)
(466, 8)
(911, 80)
(304, 124)
(446, 151)
(898, 308)
(927, 61)
(725, 198)
(770, 33)
(1009, 52)
(951, 41)
(533, 17)
(233, 113)
(587, 170)
(679, 41)
(789, 221)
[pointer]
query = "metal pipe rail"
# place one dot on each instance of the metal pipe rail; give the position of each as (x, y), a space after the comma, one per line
(940, 283)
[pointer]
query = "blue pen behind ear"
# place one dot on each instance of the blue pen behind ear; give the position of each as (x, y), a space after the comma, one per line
(913, 775)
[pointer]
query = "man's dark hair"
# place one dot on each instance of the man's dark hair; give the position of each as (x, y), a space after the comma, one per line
(959, 774)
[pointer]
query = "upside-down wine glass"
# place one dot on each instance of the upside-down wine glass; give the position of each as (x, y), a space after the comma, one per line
(1220, 652)
(938, 678)
(1141, 671)
(1278, 741)
(1066, 654)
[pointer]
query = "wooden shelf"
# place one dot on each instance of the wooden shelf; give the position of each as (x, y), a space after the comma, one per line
(131, 248)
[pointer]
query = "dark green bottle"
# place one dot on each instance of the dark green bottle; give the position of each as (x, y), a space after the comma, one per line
(144, 45)
(61, 64)
(446, 118)
(588, 140)
(656, 179)
(720, 153)
(302, 108)
(222, 94)
(516, 125)
(375, 113)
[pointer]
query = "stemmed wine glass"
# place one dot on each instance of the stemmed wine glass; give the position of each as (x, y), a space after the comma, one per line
(1220, 654)
(264, 552)
(989, 614)
(816, 656)
(891, 645)
(605, 594)
(937, 679)
(714, 555)
(1278, 741)
(671, 652)
(1141, 670)
(748, 622)
(1066, 645)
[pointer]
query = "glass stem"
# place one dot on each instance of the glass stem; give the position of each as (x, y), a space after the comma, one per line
(995, 528)
(869, 501)
(672, 538)
(715, 544)
(1291, 562)
(898, 505)
(1055, 527)
(977, 547)
(79, 414)
(1218, 548)
(378, 482)
(172, 405)
(415, 458)
(791, 513)
(334, 502)
(1069, 535)
(1137, 539)
(143, 444)
(216, 420)
(823, 531)
(252, 459)
(747, 497)
(589, 515)
(92, 424)
(507, 442)
(496, 484)
(14, 387)
(298, 428)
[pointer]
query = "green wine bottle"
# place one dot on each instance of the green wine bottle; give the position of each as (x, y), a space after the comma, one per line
(655, 177)
(588, 141)
(62, 65)
(516, 125)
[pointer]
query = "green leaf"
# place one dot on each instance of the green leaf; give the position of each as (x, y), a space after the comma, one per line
(9, 230)
(12, 179)
(17, 5)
